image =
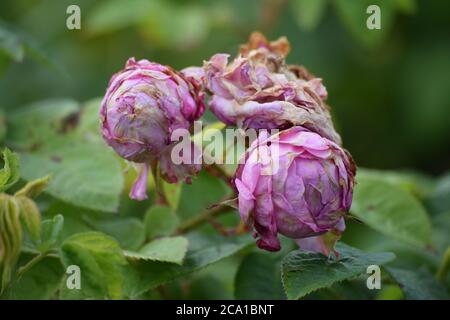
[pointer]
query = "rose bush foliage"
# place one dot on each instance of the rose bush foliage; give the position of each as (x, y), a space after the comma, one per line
(294, 189)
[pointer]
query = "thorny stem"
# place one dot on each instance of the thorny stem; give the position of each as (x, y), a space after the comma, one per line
(210, 213)
(227, 232)
(206, 216)
(217, 171)
(444, 268)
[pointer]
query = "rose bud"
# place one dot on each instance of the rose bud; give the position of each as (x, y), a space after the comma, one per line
(298, 184)
(258, 90)
(143, 105)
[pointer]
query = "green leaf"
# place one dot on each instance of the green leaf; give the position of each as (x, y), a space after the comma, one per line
(354, 17)
(439, 199)
(51, 232)
(33, 188)
(42, 58)
(57, 138)
(418, 284)
(415, 183)
(39, 282)
(391, 211)
(441, 225)
(160, 221)
(77, 176)
(171, 249)
(89, 125)
(30, 217)
(129, 232)
(363, 237)
(308, 13)
(145, 275)
(204, 191)
(37, 125)
(74, 217)
(15, 46)
(258, 278)
(304, 272)
(353, 289)
(9, 175)
(100, 260)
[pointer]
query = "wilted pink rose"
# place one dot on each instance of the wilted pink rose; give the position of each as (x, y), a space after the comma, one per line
(295, 183)
(143, 105)
(196, 75)
(258, 90)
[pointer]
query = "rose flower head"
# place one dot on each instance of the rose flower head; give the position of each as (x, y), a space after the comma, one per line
(259, 90)
(144, 103)
(298, 184)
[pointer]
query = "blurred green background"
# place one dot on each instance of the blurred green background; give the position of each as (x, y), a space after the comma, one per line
(388, 88)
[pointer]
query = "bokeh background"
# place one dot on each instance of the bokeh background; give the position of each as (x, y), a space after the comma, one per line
(388, 88)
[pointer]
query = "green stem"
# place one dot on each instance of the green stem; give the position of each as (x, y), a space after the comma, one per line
(31, 263)
(219, 172)
(159, 189)
(52, 253)
(444, 268)
(203, 217)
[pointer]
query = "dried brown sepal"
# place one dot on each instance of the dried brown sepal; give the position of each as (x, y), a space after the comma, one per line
(257, 40)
